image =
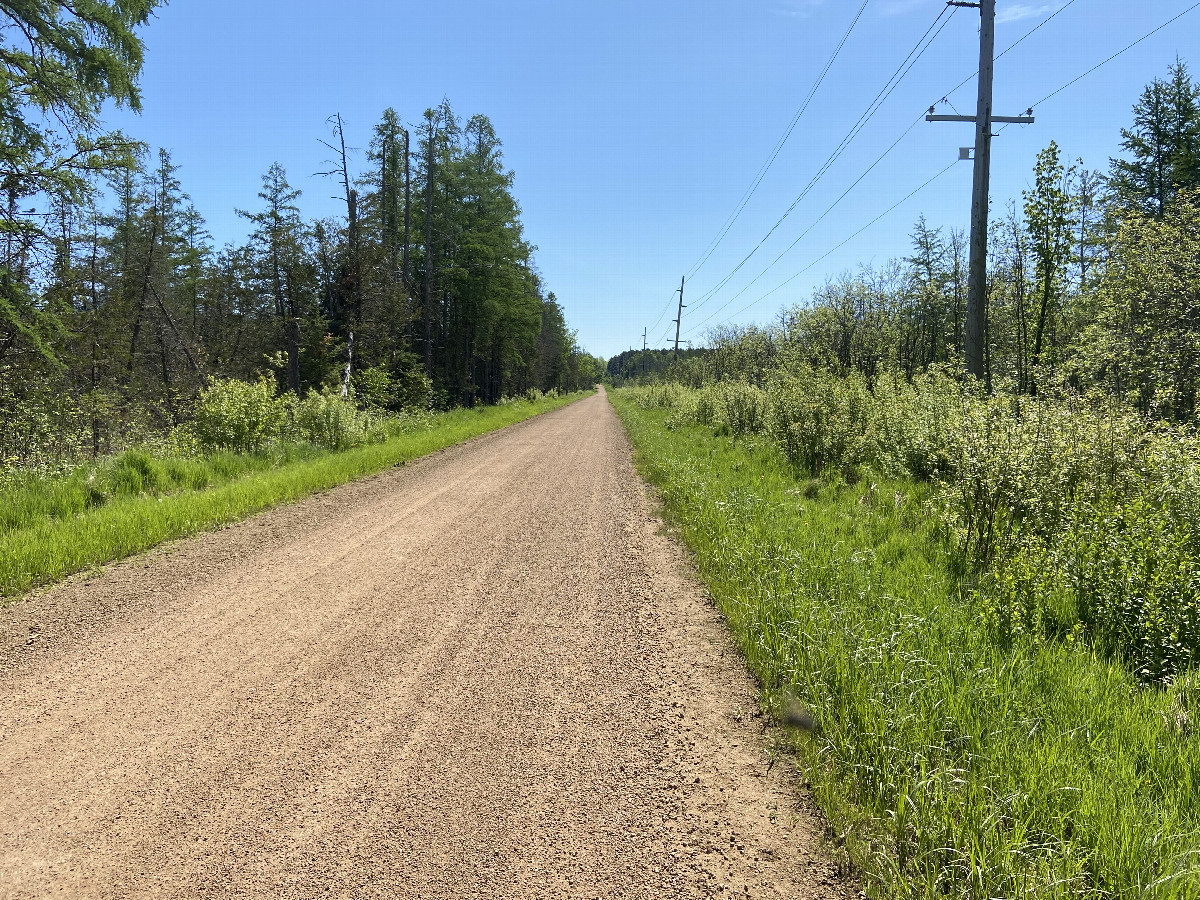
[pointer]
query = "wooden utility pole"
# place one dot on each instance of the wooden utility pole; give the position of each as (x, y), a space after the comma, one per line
(644, 330)
(679, 317)
(973, 338)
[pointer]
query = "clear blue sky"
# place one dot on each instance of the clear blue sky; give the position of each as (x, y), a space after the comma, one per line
(635, 127)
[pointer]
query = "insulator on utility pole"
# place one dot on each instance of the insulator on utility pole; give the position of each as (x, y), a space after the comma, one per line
(977, 268)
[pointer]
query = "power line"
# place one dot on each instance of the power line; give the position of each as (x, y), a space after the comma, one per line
(886, 91)
(872, 108)
(670, 303)
(1148, 34)
(808, 230)
(1105, 62)
(1049, 96)
(822, 216)
(762, 172)
(826, 254)
(1014, 44)
(878, 160)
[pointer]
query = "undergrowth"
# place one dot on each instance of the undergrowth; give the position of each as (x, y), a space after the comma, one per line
(950, 763)
(1034, 495)
(53, 524)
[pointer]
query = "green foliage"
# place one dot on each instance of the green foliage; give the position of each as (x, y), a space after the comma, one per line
(243, 416)
(52, 525)
(646, 366)
(1050, 221)
(821, 421)
(112, 321)
(1124, 577)
(1025, 463)
(1147, 340)
(325, 420)
(950, 763)
(400, 386)
(30, 498)
(1164, 145)
(59, 63)
(824, 422)
(1016, 483)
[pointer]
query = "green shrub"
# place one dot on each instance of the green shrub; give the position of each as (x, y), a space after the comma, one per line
(918, 425)
(821, 421)
(393, 389)
(665, 395)
(1123, 577)
(949, 764)
(325, 420)
(1079, 517)
(243, 416)
(743, 408)
(1025, 464)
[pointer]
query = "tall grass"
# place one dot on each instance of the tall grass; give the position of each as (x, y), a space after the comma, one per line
(52, 526)
(950, 763)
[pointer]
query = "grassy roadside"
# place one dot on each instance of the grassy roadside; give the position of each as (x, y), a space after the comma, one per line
(165, 499)
(948, 764)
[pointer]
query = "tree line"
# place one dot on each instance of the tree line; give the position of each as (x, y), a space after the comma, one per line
(116, 307)
(1094, 282)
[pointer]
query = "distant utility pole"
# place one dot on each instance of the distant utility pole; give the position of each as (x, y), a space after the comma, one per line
(644, 330)
(983, 119)
(679, 317)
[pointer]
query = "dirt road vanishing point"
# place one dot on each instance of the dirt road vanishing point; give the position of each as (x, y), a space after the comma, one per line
(482, 675)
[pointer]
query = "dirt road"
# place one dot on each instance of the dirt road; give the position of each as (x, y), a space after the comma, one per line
(483, 675)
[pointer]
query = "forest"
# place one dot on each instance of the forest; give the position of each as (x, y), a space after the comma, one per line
(117, 311)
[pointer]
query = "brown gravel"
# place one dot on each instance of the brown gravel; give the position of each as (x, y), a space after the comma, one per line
(483, 675)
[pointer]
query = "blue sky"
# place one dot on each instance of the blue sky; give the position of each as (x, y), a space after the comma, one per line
(635, 127)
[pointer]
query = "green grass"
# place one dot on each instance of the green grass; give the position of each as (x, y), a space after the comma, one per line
(947, 764)
(52, 527)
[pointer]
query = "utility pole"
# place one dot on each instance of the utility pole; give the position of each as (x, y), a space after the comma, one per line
(973, 339)
(679, 316)
(644, 330)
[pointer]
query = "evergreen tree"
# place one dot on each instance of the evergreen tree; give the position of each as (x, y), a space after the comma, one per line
(282, 269)
(1164, 144)
(58, 64)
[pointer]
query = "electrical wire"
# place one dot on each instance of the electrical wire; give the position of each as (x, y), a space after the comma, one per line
(1098, 65)
(670, 303)
(1049, 96)
(886, 91)
(822, 216)
(870, 168)
(1105, 62)
(762, 172)
(1011, 46)
(824, 255)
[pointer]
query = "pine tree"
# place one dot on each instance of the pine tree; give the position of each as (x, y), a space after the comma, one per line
(1164, 144)
(59, 63)
(282, 269)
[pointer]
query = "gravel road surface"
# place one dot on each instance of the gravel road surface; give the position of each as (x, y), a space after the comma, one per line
(486, 674)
